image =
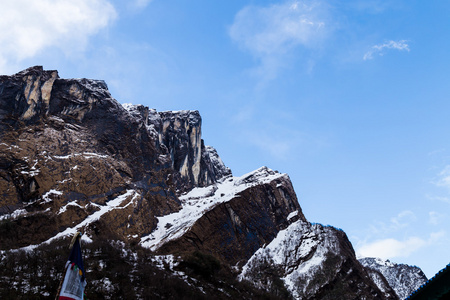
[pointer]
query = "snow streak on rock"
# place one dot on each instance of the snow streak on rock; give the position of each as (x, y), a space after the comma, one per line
(117, 203)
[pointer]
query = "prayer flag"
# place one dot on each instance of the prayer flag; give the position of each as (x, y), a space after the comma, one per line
(74, 279)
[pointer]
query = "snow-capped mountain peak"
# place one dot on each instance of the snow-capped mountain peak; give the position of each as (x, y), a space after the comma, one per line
(404, 279)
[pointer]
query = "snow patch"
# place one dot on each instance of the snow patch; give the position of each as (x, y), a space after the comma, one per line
(292, 214)
(63, 209)
(164, 260)
(32, 173)
(46, 197)
(128, 106)
(14, 215)
(87, 155)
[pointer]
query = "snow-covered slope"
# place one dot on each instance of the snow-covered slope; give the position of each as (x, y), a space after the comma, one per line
(313, 262)
(380, 281)
(201, 200)
(404, 279)
(230, 219)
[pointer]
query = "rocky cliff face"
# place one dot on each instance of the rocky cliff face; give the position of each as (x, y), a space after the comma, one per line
(178, 136)
(74, 159)
(404, 279)
(68, 142)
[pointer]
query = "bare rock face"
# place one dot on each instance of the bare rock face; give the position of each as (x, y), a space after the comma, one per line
(30, 92)
(68, 141)
(212, 167)
(178, 136)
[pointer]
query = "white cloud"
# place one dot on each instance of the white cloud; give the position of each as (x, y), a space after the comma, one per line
(380, 49)
(29, 27)
(437, 236)
(371, 6)
(403, 219)
(139, 4)
(399, 222)
(438, 198)
(270, 32)
(279, 143)
(435, 218)
(277, 147)
(244, 114)
(443, 179)
(390, 248)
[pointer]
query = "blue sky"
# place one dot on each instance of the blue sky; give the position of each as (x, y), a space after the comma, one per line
(350, 98)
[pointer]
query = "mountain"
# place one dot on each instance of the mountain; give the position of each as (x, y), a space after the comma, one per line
(161, 214)
(404, 279)
(67, 148)
(315, 262)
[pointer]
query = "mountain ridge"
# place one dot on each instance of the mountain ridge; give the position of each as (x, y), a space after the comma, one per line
(72, 158)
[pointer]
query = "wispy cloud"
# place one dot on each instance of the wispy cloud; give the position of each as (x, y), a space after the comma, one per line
(277, 147)
(29, 27)
(391, 248)
(381, 48)
(439, 198)
(382, 240)
(139, 4)
(398, 222)
(270, 32)
(436, 218)
(403, 219)
(442, 181)
(443, 178)
(371, 6)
